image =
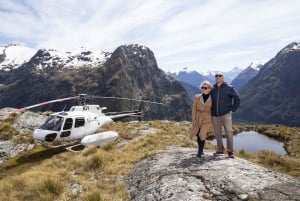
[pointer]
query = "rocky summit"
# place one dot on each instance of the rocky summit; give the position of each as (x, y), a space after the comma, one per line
(176, 174)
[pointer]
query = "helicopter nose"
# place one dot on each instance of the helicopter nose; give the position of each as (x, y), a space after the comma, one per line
(44, 135)
(38, 135)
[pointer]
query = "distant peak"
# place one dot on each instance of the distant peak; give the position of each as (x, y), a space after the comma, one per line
(187, 70)
(257, 64)
(134, 47)
(14, 55)
(295, 46)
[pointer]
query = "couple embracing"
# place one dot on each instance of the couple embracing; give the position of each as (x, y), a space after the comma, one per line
(214, 105)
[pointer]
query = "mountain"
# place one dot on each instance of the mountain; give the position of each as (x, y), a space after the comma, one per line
(191, 80)
(245, 75)
(50, 58)
(228, 75)
(231, 74)
(130, 71)
(191, 90)
(191, 77)
(273, 95)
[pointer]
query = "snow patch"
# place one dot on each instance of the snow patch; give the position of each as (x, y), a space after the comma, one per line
(256, 65)
(296, 46)
(14, 56)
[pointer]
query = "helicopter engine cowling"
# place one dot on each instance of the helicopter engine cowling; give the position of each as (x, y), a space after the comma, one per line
(99, 138)
(105, 120)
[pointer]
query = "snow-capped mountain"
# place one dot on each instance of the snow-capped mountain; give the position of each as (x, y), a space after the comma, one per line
(256, 65)
(12, 56)
(229, 75)
(130, 71)
(247, 74)
(194, 78)
(188, 76)
(45, 58)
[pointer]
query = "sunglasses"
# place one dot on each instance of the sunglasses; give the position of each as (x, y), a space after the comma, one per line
(204, 88)
(218, 75)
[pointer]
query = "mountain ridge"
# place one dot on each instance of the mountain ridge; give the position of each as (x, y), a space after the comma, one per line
(273, 96)
(130, 71)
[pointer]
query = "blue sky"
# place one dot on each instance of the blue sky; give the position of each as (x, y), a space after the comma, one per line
(201, 35)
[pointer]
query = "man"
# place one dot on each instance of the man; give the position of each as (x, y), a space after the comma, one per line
(225, 101)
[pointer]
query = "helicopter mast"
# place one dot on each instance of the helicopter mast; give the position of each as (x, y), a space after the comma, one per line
(82, 99)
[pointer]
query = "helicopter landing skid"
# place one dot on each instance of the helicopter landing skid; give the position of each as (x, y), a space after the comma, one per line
(49, 145)
(75, 148)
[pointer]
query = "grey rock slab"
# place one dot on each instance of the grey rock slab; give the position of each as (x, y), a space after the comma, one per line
(177, 174)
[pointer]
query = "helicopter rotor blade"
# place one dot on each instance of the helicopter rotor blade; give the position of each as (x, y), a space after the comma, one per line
(130, 99)
(40, 104)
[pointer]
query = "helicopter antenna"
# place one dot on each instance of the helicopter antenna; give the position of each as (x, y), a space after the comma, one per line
(64, 108)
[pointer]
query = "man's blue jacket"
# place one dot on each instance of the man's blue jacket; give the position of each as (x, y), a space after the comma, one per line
(224, 99)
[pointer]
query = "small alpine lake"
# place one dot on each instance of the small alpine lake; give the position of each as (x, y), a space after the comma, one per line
(252, 141)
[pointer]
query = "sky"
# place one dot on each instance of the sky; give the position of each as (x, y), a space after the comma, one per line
(201, 35)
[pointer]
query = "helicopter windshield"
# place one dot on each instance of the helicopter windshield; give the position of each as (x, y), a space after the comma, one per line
(53, 123)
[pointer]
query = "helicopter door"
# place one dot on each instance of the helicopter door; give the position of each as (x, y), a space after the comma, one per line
(67, 128)
(79, 129)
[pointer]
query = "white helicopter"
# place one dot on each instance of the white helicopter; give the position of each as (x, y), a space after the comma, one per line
(80, 123)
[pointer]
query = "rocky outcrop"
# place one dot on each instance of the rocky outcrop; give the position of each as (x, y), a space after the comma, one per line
(176, 174)
(9, 149)
(24, 122)
(28, 121)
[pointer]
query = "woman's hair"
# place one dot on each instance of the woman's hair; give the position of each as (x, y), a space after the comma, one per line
(206, 83)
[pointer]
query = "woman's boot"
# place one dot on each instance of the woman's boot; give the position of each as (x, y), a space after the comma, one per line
(200, 146)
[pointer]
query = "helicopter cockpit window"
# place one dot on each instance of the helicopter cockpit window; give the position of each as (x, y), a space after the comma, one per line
(79, 122)
(68, 124)
(53, 123)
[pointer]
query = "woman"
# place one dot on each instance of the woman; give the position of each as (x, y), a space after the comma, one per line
(201, 115)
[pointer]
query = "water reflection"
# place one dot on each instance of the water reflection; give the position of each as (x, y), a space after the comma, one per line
(252, 141)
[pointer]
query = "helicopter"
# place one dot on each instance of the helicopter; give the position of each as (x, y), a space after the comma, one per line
(80, 123)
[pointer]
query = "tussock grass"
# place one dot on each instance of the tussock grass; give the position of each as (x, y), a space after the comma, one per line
(89, 150)
(100, 171)
(94, 196)
(7, 131)
(46, 174)
(276, 162)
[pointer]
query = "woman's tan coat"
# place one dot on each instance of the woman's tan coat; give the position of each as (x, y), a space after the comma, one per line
(201, 116)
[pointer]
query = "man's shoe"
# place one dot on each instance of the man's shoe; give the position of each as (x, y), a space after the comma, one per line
(219, 153)
(199, 155)
(230, 154)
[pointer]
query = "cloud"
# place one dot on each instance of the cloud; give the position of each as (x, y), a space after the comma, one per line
(181, 33)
